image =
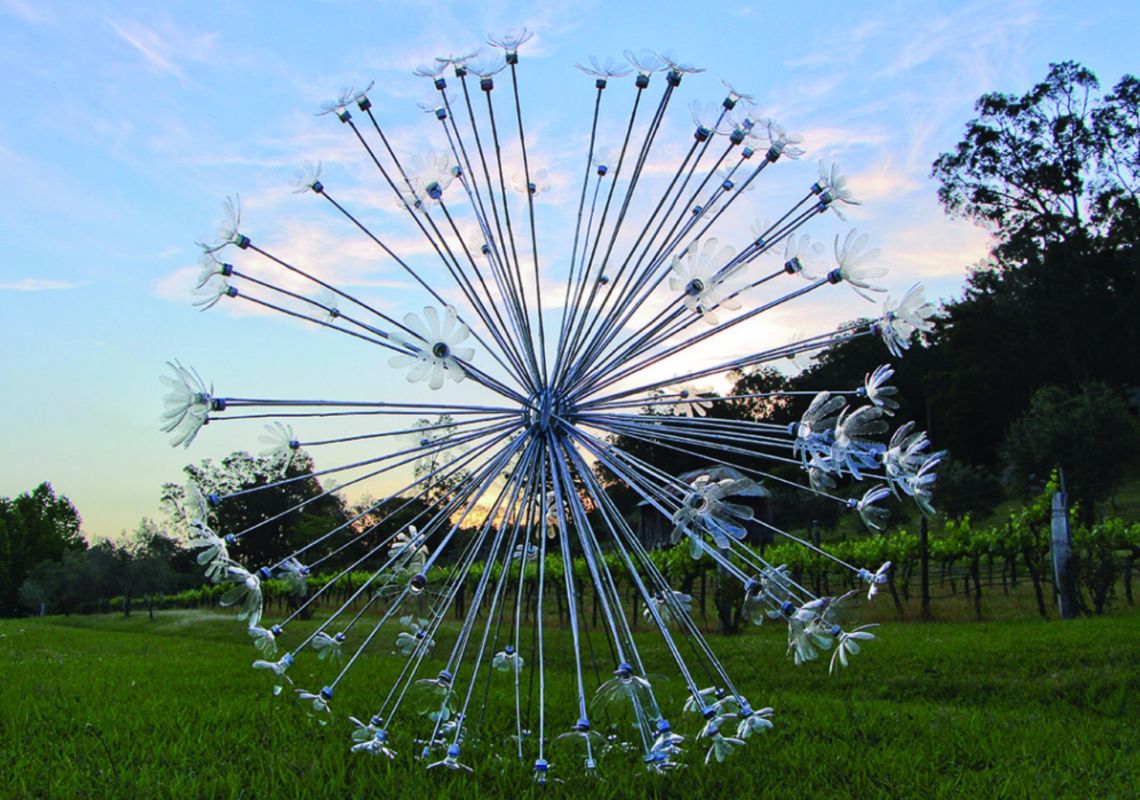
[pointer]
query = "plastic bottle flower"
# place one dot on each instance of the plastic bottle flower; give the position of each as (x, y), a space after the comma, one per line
(230, 230)
(690, 401)
(705, 509)
(722, 746)
(625, 687)
(670, 610)
(804, 257)
(832, 186)
(280, 443)
(511, 40)
(329, 648)
(415, 637)
(407, 550)
(609, 68)
(815, 431)
(429, 175)
(451, 760)
(847, 644)
(671, 60)
(873, 516)
(920, 485)
(755, 722)
(904, 454)
(245, 594)
(186, 404)
(317, 705)
(876, 389)
(458, 60)
(782, 143)
(539, 182)
(694, 274)
(808, 632)
(308, 178)
(277, 669)
(646, 62)
(901, 320)
(264, 641)
(296, 576)
(438, 354)
(855, 446)
(853, 260)
(370, 739)
(507, 660)
(875, 579)
(485, 66)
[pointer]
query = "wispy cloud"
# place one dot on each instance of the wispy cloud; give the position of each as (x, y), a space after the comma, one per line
(37, 285)
(165, 46)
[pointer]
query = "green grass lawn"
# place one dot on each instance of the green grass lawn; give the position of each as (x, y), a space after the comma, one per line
(108, 707)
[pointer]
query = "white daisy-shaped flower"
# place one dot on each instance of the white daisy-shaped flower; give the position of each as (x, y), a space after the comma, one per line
(781, 143)
(308, 178)
(317, 705)
(451, 760)
(722, 747)
(705, 508)
(731, 178)
(507, 660)
(208, 294)
(339, 104)
(433, 71)
(625, 687)
(277, 669)
(186, 405)
(458, 60)
(801, 359)
(814, 432)
(847, 644)
(280, 444)
(230, 230)
(695, 275)
(879, 392)
(608, 68)
(211, 266)
(900, 320)
(429, 174)
(805, 257)
(370, 739)
(486, 66)
(833, 184)
(875, 579)
(905, 454)
(673, 61)
(539, 182)
(329, 648)
(511, 40)
(670, 609)
(853, 259)
(406, 551)
(690, 401)
(873, 516)
(756, 722)
(854, 445)
(920, 485)
(644, 61)
(437, 352)
(245, 593)
(416, 637)
(735, 95)
(711, 116)
(296, 576)
(264, 640)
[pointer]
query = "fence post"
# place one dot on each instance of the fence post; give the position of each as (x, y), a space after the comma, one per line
(924, 565)
(1063, 566)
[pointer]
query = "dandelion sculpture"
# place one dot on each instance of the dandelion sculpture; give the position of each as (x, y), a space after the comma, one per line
(641, 288)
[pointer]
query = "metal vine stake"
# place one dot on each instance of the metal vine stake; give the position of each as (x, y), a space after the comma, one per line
(509, 483)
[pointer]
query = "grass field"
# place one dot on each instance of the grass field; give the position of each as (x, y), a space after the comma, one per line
(107, 707)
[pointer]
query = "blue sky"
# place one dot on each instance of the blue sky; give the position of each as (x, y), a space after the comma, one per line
(127, 124)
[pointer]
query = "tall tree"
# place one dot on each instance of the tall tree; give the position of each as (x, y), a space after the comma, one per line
(35, 526)
(281, 499)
